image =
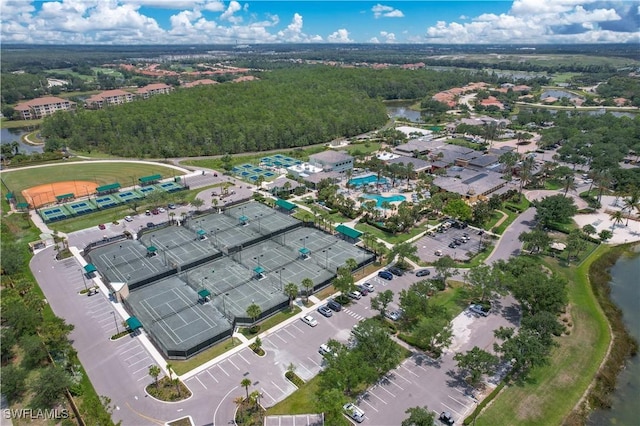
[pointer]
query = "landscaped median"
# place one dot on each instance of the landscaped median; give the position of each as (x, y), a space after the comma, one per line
(553, 390)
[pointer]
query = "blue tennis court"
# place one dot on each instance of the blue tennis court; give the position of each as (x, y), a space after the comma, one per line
(81, 207)
(127, 196)
(54, 213)
(170, 186)
(107, 201)
(147, 190)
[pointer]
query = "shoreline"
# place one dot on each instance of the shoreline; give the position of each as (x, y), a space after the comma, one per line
(26, 140)
(622, 346)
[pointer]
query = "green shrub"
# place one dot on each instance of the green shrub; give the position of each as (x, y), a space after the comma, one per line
(483, 404)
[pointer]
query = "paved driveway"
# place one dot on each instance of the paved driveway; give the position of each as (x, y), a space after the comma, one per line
(428, 244)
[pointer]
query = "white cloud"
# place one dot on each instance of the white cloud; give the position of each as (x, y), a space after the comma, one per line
(374, 40)
(535, 21)
(389, 37)
(340, 36)
(234, 7)
(293, 33)
(382, 11)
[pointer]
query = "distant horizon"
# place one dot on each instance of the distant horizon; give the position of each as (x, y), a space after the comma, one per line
(220, 22)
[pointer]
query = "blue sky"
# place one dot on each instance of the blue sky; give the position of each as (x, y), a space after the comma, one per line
(250, 22)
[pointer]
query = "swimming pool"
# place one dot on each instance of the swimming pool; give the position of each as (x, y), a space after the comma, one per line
(381, 199)
(365, 180)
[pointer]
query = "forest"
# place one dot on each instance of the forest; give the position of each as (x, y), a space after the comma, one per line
(286, 108)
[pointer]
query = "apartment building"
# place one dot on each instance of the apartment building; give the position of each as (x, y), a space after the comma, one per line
(154, 89)
(332, 161)
(109, 97)
(42, 107)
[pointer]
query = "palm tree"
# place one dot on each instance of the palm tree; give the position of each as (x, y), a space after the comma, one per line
(617, 217)
(154, 371)
(525, 171)
(569, 184)
(245, 383)
(169, 368)
(291, 290)
(632, 202)
(307, 283)
(253, 311)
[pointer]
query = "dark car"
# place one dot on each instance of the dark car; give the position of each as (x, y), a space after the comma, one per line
(446, 418)
(452, 245)
(150, 225)
(325, 311)
(396, 271)
(386, 275)
(102, 226)
(362, 289)
(423, 273)
(334, 306)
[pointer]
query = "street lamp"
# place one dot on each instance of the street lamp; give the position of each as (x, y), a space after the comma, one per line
(304, 240)
(258, 218)
(257, 259)
(326, 257)
(280, 273)
(116, 321)
(202, 282)
(84, 280)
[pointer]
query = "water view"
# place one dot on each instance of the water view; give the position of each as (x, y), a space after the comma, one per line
(8, 136)
(403, 111)
(625, 293)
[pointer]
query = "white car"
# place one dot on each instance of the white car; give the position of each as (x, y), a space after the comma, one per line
(309, 320)
(324, 349)
(161, 209)
(354, 412)
(128, 218)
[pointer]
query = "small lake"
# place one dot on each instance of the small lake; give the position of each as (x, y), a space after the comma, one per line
(625, 293)
(399, 110)
(15, 135)
(553, 93)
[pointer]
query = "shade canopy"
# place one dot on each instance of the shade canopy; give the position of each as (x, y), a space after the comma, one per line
(152, 178)
(202, 232)
(204, 293)
(152, 249)
(258, 270)
(284, 204)
(89, 268)
(133, 323)
(349, 232)
(106, 188)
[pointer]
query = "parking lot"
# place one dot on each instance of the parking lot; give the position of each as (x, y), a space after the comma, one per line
(440, 241)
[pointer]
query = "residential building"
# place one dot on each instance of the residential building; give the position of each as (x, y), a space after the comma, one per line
(279, 185)
(303, 170)
(154, 89)
(42, 107)
(109, 97)
(332, 161)
(202, 82)
(472, 185)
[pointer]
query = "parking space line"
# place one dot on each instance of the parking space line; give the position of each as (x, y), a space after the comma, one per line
(372, 407)
(401, 376)
(221, 369)
(136, 354)
(305, 368)
(200, 382)
(313, 362)
(144, 377)
(140, 369)
(461, 403)
(229, 359)
(451, 409)
(269, 395)
(243, 358)
(212, 376)
(279, 388)
(409, 370)
(394, 383)
(287, 331)
(278, 336)
(373, 394)
(124, 345)
(296, 327)
(143, 359)
(386, 390)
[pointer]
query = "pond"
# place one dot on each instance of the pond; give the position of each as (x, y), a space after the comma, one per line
(15, 135)
(398, 110)
(553, 93)
(625, 293)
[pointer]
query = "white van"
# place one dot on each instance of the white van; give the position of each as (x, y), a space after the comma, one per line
(354, 412)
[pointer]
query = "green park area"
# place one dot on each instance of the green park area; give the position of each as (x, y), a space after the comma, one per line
(126, 173)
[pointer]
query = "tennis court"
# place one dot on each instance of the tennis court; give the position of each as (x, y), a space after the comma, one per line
(54, 213)
(146, 190)
(170, 186)
(81, 207)
(106, 201)
(127, 196)
(128, 261)
(180, 246)
(176, 318)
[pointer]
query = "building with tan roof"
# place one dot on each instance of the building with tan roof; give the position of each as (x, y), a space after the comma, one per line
(109, 97)
(202, 82)
(154, 89)
(42, 107)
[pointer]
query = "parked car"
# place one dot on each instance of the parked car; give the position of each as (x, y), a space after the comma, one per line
(325, 311)
(309, 320)
(334, 306)
(369, 287)
(102, 226)
(423, 273)
(128, 218)
(324, 349)
(362, 289)
(161, 209)
(386, 275)
(150, 224)
(155, 211)
(452, 245)
(353, 412)
(438, 253)
(171, 206)
(479, 309)
(393, 315)
(446, 418)
(356, 295)
(148, 213)
(396, 271)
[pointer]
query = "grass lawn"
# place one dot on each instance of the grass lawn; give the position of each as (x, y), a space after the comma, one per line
(452, 298)
(363, 148)
(101, 173)
(390, 238)
(496, 215)
(15, 124)
(115, 214)
(182, 367)
(272, 321)
(552, 184)
(555, 388)
(301, 401)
